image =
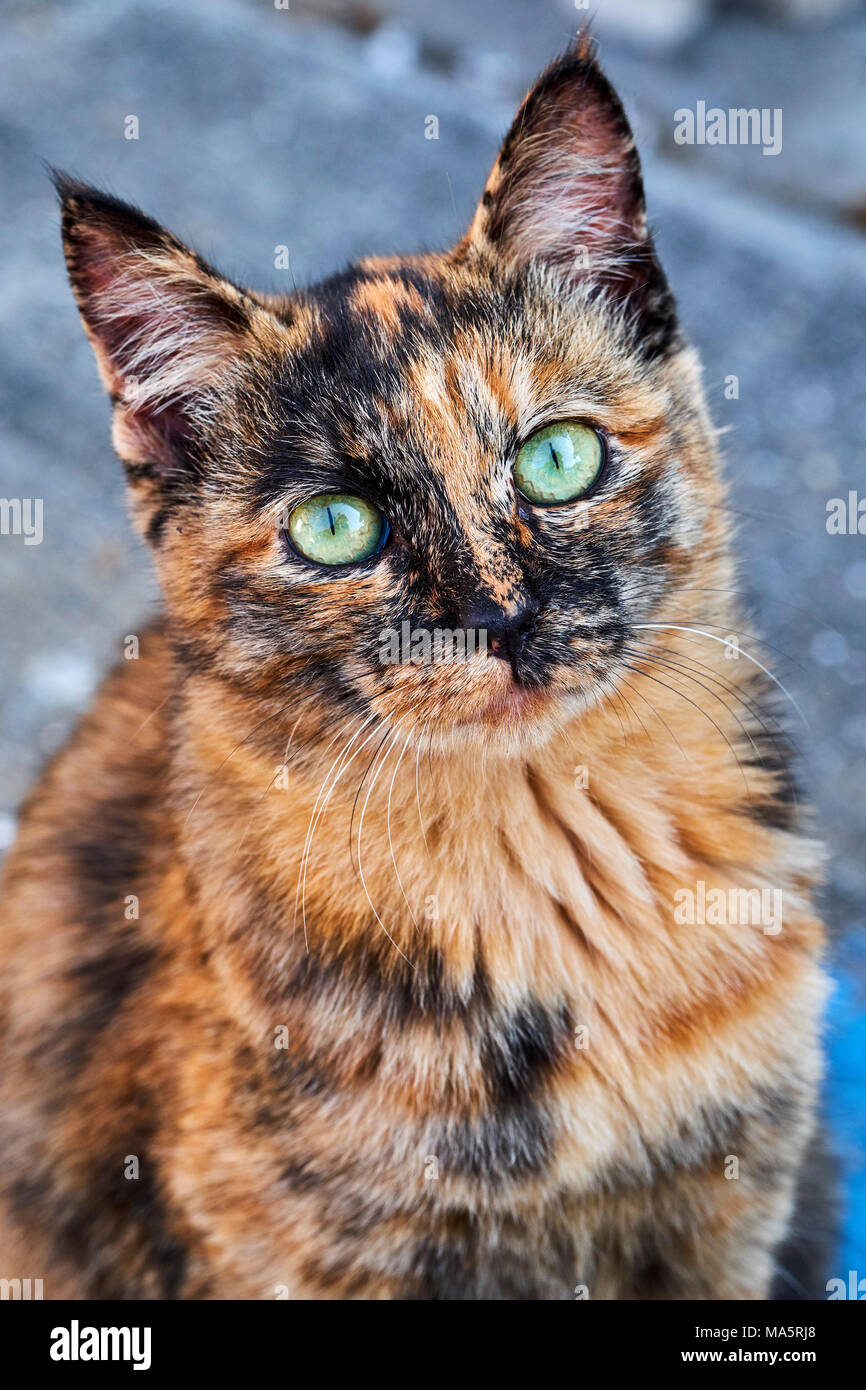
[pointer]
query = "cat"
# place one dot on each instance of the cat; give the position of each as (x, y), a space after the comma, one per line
(328, 975)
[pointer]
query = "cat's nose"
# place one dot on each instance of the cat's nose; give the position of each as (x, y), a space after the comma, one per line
(506, 629)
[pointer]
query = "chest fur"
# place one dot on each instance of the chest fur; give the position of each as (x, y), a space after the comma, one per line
(512, 1010)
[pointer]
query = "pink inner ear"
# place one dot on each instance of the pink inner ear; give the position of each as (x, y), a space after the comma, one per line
(166, 328)
(567, 187)
(569, 194)
(155, 438)
(160, 328)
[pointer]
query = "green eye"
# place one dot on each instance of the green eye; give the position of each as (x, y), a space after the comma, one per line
(559, 463)
(336, 529)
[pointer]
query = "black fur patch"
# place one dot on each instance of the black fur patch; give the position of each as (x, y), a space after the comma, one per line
(113, 1232)
(103, 983)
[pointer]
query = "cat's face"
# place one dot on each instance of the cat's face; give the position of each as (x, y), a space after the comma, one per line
(439, 490)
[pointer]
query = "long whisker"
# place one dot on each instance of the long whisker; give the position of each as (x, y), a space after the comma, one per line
(625, 700)
(712, 637)
(373, 781)
(341, 730)
(615, 694)
(313, 815)
(338, 767)
(385, 736)
(760, 713)
(747, 705)
(674, 691)
(292, 735)
(417, 788)
(388, 825)
(663, 722)
(738, 632)
(674, 668)
(691, 663)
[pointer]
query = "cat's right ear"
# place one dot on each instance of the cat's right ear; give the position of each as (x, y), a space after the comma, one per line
(166, 328)
(566, 192)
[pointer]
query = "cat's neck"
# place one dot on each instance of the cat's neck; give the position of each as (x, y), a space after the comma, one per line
(367, 856)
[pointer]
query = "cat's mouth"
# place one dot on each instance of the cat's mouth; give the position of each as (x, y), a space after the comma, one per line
(504, 700)
(515, 705)
(483, 694)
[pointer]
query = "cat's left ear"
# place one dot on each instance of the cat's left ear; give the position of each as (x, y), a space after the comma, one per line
(566, 191)
(167, 329)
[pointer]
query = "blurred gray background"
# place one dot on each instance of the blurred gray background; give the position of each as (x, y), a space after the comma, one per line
(262, 124)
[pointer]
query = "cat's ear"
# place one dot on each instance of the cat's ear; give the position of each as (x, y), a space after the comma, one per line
(566, 190)
(166, 328)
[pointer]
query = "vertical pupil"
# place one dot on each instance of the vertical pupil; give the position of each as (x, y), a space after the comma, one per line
(553, 454)
(331, 521)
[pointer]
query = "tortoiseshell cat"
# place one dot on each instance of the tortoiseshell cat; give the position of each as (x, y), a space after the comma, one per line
(331, 975)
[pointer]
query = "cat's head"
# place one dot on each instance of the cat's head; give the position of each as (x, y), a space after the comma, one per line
(507, 440)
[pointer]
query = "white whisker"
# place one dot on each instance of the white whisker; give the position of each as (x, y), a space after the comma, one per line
(417, 788)
(373, 781)
(388, 824)
(676, 627)
(321, 802)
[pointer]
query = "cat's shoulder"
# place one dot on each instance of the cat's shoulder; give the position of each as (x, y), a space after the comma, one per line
(86, 821)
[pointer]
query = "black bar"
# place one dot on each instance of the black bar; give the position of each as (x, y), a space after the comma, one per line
(265, 1338)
